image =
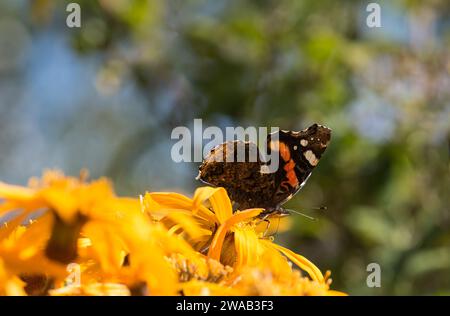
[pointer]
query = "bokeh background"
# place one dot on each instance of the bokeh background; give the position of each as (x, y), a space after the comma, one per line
(106, 97)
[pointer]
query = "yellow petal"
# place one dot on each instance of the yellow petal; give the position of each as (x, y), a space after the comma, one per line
(219, 199)
(336, 293)
(7, 228)
(15, 192)
(216, 244)
(13, 197)
(64, 203)
(94, 289)
(179, 201)
(276, 225)
(300, 261)
(10, 284)
(221, 205)
(187, 223)
(107, 246)
(247, 247)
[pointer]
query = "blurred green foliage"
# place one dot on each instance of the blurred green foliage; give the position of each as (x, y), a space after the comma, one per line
(384, 92)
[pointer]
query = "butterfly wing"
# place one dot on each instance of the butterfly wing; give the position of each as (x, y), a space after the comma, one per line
(299, 153)
(235, 166)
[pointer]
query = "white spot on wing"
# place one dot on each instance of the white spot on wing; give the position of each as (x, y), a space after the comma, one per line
(304, 142)
(312, 159)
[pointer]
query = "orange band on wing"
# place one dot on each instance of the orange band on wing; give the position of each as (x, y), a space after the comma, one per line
(290, 173)
(285, 152)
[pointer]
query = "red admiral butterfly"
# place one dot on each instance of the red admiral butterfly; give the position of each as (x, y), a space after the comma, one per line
(246, 183)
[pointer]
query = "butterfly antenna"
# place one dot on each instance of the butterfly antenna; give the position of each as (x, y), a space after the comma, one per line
(302, 214)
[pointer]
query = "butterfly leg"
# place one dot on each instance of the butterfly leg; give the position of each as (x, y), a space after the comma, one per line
(267, 227)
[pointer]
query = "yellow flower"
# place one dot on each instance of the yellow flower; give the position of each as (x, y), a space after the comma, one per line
(68, 209)
(70, 201)
(231, 238)
(22, 250)
(162, 244)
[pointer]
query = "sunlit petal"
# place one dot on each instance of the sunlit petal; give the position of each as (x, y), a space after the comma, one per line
(216, 245)
(301, 262)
